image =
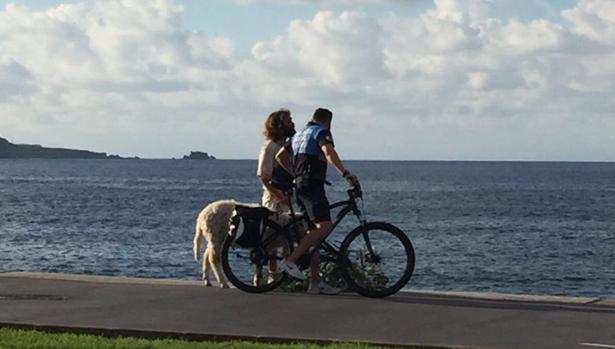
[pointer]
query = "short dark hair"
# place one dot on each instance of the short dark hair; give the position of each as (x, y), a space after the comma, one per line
(322, 115)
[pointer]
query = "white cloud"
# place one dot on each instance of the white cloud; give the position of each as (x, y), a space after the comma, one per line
(325, 2)
(15, 79)
(522, 38)
(461, 11)
(594, 19)
(449, 83)
(115, 65)
(458, 65)
(333, 48)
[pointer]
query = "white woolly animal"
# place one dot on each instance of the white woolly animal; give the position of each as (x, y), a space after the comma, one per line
(214, 224)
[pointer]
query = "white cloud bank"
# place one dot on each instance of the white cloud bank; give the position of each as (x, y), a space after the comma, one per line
(326, 2)
(125, 76)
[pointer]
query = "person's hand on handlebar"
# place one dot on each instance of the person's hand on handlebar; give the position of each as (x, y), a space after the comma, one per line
(351, 179)
(355, 187)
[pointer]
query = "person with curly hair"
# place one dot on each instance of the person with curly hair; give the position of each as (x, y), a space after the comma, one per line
(276, 181)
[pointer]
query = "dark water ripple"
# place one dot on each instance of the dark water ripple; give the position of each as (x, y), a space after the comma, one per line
(539, 228)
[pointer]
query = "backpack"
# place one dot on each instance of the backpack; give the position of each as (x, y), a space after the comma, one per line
(248, 225)
(282, 180)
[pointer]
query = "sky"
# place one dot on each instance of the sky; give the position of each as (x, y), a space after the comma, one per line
(406, 79)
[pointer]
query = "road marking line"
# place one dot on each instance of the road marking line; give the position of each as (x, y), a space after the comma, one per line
(597, 345)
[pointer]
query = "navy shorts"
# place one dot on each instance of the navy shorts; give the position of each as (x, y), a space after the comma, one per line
(314, 201)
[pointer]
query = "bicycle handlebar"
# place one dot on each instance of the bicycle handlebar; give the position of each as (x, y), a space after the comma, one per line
(356, 191)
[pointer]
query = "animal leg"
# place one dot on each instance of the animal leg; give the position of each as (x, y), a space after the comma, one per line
(214, 259)
(206, 267)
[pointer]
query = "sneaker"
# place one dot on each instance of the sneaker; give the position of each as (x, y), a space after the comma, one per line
(323, 288)
(291, 269)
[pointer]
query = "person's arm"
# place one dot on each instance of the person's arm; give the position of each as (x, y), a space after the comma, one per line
(334, 159)
(284, 158)
(266, 180)
(266, 161)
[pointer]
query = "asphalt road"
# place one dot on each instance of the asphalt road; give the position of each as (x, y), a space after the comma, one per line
(184, 309)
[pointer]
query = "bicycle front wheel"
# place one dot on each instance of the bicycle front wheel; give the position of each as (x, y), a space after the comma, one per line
(376, 259)
(254, 269)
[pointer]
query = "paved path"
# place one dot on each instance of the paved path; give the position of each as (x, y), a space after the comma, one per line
(186, 309)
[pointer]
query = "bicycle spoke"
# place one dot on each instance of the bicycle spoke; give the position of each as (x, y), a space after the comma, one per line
(253, 269)
(378, 259)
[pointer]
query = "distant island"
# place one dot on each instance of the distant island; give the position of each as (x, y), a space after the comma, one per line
(9, 150)
(35, 151)
(198, 155)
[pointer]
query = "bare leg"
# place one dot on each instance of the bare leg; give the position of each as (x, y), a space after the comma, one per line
(315, 268)
(258, 276)
(273, 267)
(313, 238)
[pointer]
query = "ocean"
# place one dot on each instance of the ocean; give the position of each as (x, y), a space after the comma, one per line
(510, 227)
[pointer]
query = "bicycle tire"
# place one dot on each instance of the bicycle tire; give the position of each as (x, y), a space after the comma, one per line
(245, 284)
(355, 277)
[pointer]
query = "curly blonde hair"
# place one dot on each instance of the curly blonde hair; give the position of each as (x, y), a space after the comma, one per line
(275, 129)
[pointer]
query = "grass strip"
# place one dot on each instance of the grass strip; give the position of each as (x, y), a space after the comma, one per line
(21, 339)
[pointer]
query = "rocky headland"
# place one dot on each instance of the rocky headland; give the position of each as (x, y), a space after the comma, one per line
(9, 150)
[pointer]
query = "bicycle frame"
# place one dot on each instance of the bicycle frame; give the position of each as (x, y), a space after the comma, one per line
(355, 257)
(347, 206)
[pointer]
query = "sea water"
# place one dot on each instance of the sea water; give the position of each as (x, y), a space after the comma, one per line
(513, 227)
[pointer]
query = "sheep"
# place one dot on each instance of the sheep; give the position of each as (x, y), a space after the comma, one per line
(214, 224)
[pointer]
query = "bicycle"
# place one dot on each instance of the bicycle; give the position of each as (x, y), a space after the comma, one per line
(364, 257)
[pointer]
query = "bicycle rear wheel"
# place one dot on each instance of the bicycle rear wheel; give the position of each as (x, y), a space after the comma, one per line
(377, 259)
(249, 269)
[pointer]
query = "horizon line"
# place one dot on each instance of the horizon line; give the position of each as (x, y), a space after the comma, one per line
(401, 160)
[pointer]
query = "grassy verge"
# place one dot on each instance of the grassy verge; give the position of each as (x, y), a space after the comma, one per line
(18, 339)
